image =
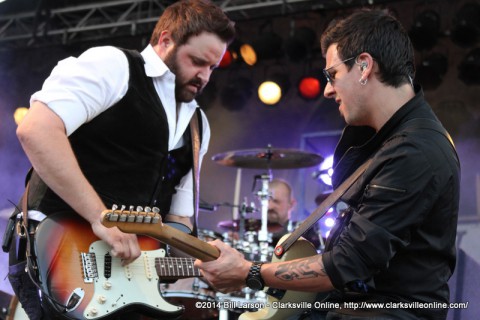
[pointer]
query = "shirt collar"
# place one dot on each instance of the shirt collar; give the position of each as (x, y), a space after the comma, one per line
(154, 66)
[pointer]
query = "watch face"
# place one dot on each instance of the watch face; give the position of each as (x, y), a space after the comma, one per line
(254, 283)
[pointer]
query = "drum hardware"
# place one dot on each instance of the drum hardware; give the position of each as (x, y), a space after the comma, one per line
(265, 158)
(255, 236)
(251, 224)
(264, 196)
(243, 215)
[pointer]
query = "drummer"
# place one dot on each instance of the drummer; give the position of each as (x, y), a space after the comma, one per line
(280, 207)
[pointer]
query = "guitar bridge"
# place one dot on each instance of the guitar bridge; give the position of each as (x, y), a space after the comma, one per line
(89, 265)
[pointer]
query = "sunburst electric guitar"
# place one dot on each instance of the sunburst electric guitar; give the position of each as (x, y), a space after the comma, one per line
(150, 224)
(77, 271)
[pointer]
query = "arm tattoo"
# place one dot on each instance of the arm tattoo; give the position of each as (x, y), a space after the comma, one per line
(306, 268)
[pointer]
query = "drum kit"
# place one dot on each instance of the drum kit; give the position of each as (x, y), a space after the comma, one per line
(250, 236)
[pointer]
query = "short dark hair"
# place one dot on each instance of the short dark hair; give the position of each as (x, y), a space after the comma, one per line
(187, 18)
(381, 35)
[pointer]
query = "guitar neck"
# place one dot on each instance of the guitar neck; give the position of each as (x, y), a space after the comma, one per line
(175, 268)
(150, 224)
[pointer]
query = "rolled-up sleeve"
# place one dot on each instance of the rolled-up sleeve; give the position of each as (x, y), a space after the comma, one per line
(79, 89)
(399, 193)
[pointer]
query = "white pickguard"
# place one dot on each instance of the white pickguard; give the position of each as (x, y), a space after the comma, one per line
(136, 283)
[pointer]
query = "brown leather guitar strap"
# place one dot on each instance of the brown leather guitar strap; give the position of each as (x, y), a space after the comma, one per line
(195, 134)
(26, 227)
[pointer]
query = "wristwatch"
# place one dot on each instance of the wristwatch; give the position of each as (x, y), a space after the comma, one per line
(254, 278)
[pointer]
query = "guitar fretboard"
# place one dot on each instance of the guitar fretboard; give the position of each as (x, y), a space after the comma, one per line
(176, 267)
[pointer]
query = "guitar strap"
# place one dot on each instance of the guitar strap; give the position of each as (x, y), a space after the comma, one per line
(27, 230)
(25, 215)
(320, 210)
(418, 123)
(195, 134)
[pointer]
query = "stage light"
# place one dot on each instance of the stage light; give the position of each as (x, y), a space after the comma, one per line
(466, 25)
(227, 59)
(268, 45)
(274, 88)
(19, 114)
(425, 30)
(469, 68)
(329, 222)
(325, 171)
(269, 92)
(248, 54)
(309, 88)
(431, 70)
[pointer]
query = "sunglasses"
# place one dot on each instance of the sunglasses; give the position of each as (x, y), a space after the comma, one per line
(327, 74)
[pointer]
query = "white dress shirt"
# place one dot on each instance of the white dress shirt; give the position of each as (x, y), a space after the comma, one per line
(79, 89)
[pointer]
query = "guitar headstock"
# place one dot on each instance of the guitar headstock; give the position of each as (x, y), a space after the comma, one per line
(147, 221)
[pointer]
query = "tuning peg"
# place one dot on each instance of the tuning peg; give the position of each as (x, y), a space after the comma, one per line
(114, 207)
(139, 218)
(113, 216)
(148, 209)
(131, 208)
(156, 218)
(156, 210)
(131, 217)
(147, 219)
(139, 208)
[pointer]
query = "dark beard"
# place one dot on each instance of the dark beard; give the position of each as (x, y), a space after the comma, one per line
(181, 94)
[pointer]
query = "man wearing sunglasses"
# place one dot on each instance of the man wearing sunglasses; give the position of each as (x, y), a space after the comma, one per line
(392, 252)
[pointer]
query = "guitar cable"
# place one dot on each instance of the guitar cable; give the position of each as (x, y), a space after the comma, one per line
(30, 269)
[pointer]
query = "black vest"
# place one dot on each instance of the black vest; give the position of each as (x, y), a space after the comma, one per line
(123, 152)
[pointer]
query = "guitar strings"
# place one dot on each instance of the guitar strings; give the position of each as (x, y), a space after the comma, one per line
(173, 266)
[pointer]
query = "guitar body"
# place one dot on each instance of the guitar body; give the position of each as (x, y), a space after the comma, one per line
(76, 270)
(150, 224)
(300, 249)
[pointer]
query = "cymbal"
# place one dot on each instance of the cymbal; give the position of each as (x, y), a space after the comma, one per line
(268, 158)
(250, 225)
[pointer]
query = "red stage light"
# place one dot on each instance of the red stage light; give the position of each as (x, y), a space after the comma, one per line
(309, 87)
(226, 59)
